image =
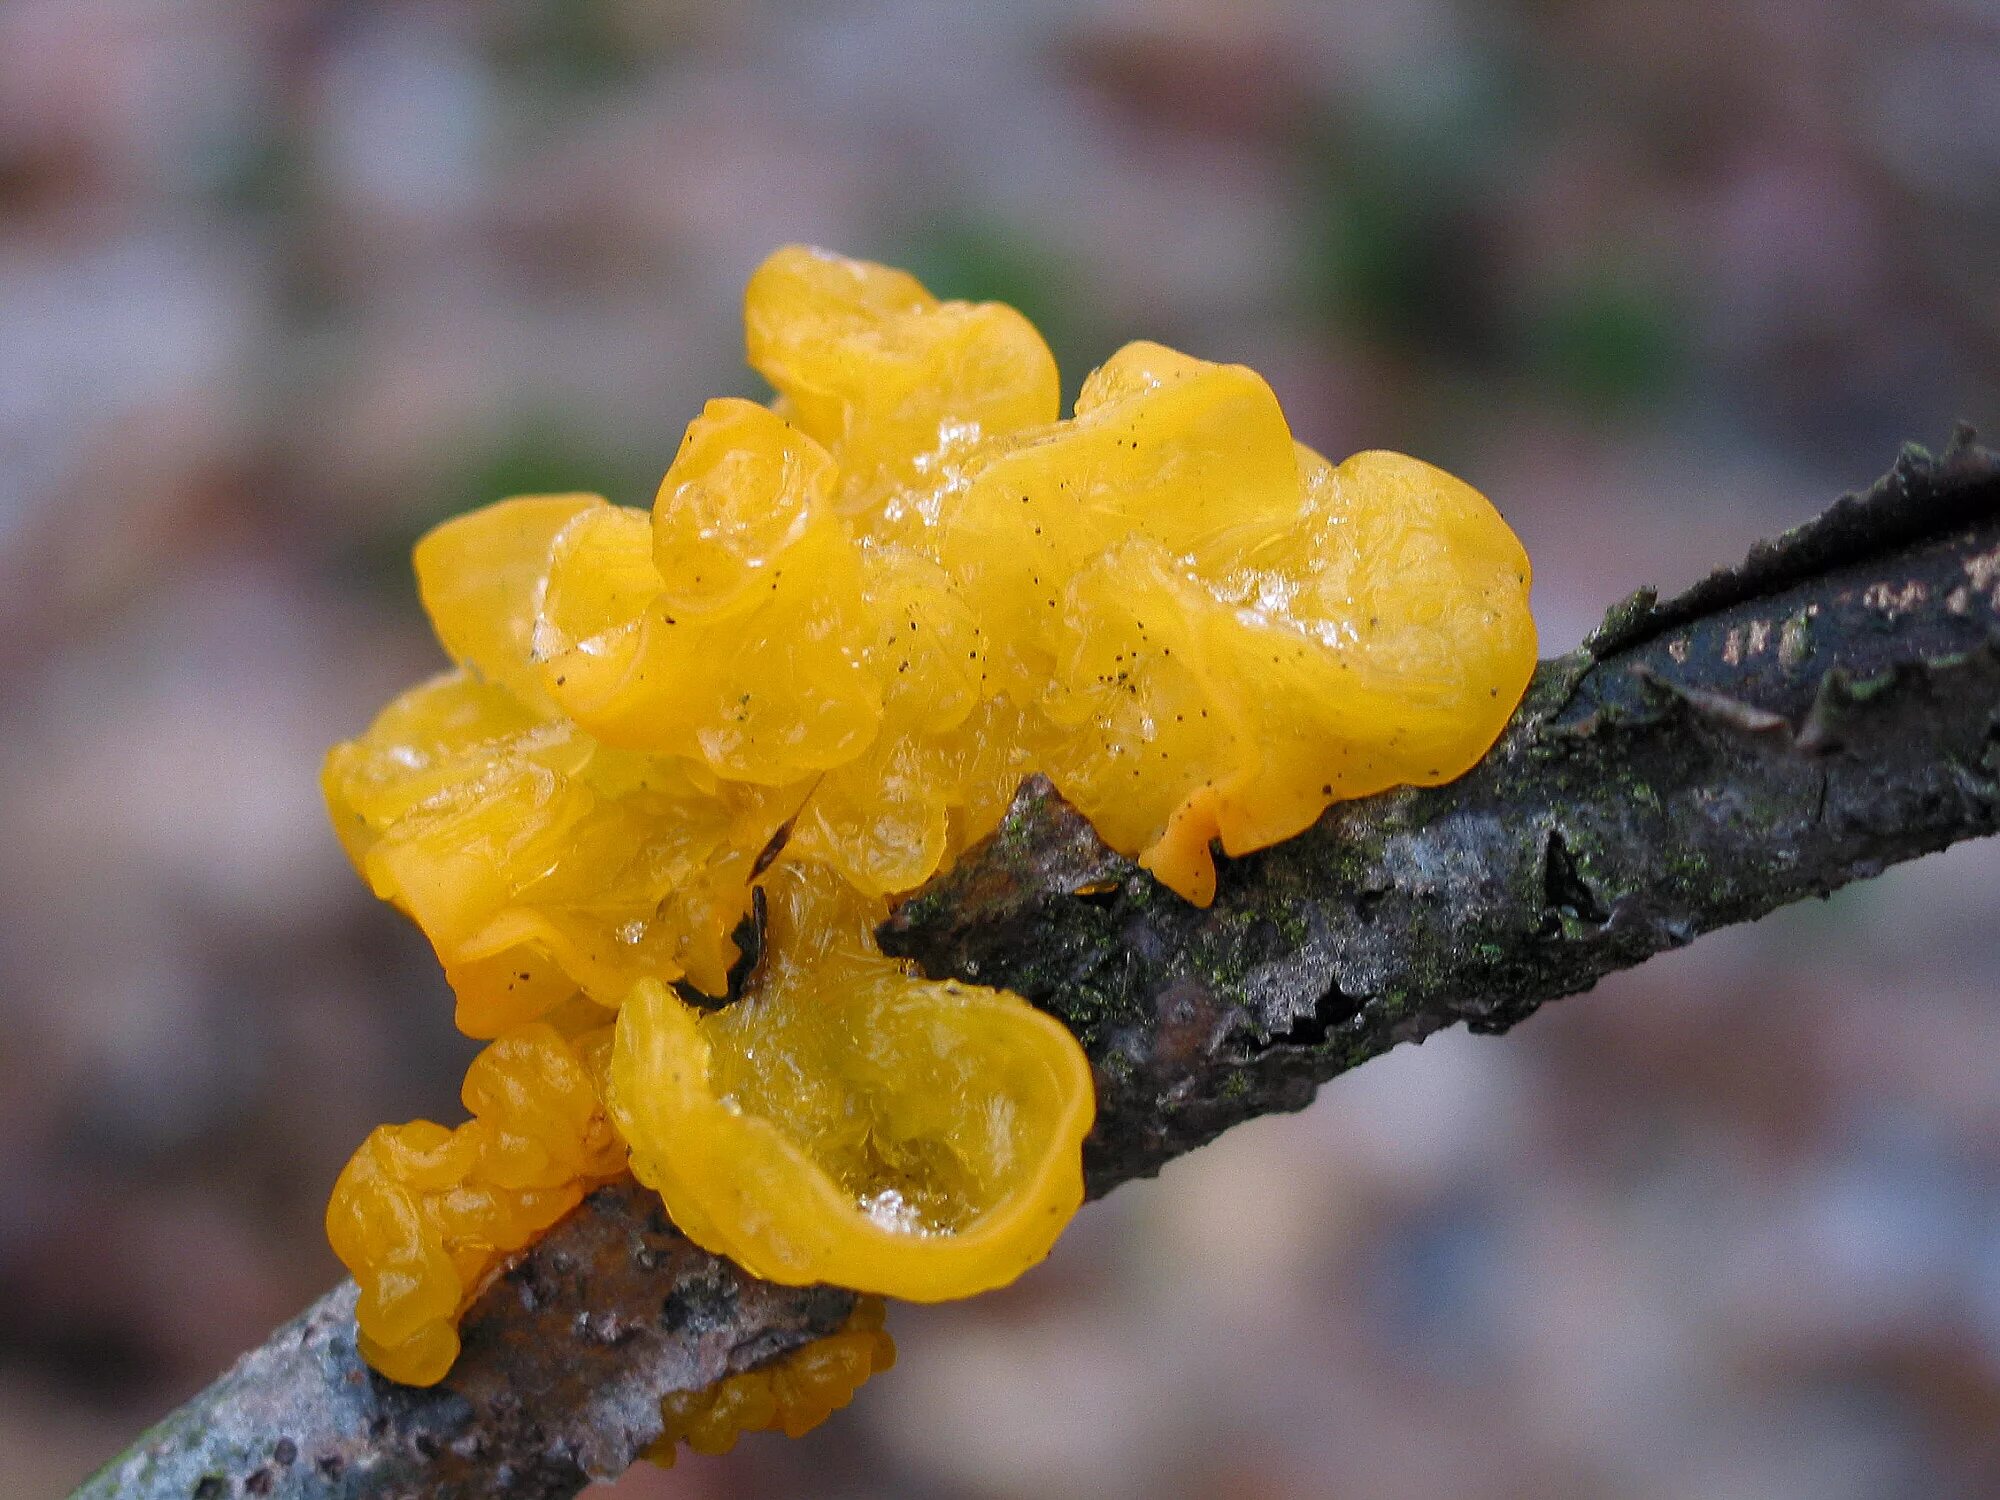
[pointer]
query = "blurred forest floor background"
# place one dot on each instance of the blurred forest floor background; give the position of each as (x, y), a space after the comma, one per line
(282, 282)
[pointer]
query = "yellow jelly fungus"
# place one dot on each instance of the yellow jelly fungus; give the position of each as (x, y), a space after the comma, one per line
(792, 1395)
(901, 387)
(800, 685)
(422, 1214)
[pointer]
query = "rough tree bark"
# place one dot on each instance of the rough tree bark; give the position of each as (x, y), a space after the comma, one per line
(1828, 708)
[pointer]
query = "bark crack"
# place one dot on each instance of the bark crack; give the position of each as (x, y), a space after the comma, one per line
(1565, 893)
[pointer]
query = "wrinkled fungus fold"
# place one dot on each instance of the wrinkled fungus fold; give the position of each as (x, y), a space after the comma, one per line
(801, 683)
(792, 1396)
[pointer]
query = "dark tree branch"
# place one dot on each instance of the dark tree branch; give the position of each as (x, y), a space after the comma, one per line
(1827, 709)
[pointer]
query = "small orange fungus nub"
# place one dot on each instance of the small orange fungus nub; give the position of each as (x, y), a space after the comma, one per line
(793, 1395)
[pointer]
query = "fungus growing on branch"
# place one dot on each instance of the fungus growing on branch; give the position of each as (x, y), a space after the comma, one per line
(799, 687)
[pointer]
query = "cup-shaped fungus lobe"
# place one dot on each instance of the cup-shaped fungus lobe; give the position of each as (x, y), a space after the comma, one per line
(851, 622)
(850, 1123)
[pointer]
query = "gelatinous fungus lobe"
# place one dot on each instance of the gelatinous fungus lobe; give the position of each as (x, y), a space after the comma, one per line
(851, 1123)
(792, 1395)
(422, 1214)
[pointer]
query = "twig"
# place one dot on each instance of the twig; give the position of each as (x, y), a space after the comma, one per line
(1827, 709)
